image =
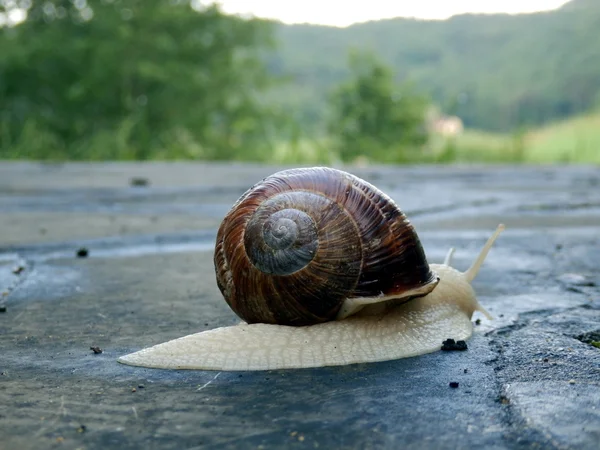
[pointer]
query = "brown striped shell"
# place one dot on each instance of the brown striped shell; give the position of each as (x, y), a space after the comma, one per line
(295, 246)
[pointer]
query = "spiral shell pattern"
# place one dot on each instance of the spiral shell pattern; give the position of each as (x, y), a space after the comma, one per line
(299, 243)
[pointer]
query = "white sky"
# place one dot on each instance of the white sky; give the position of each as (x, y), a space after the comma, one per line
(342, 13)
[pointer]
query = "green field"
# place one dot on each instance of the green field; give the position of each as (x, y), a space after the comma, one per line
(575, 140)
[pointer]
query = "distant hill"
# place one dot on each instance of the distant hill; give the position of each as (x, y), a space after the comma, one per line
(497, 72)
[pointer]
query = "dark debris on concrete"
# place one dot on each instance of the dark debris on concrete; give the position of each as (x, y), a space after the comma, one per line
(529, 379)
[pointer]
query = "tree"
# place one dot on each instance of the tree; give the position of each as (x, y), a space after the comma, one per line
(133, 79)
(374, 117)
(479, 65)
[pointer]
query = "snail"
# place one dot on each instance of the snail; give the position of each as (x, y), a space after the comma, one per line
(324, 269)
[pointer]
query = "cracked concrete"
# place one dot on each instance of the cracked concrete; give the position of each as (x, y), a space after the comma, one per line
(526, 381)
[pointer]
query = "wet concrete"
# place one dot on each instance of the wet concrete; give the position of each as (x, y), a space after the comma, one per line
(528, 379)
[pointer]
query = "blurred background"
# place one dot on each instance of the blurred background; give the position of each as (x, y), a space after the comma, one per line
(378, 82)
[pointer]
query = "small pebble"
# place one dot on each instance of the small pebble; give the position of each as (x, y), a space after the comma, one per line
(96, 350)
(504, 400)
(452, 345)
(571, 381)
(2, 309)
(454, 384)
(82, 252)
(138, 181)
(133, 390)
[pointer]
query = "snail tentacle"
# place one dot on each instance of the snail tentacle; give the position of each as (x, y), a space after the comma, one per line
(472, 271)
(448, 258)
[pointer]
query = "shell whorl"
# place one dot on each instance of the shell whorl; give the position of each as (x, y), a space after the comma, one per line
(299, 243)
(280, 238)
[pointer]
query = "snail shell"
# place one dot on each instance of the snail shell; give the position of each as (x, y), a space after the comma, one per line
(296, 246)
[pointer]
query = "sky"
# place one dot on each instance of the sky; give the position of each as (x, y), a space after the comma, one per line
(343, 13)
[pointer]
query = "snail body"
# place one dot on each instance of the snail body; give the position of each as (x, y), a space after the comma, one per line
(324, 269)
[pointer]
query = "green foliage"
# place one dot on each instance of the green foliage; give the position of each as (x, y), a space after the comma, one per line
(132, 79)
(372, 117)
(168, 79)
(497, 72)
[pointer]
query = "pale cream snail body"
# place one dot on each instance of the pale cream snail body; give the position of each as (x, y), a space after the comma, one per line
(324, 269)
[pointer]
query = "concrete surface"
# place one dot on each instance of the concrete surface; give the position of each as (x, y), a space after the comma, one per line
(529, 379)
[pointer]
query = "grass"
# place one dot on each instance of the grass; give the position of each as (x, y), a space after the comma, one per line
(476, 146)
(304, 151)
(576, 140)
